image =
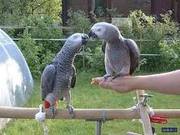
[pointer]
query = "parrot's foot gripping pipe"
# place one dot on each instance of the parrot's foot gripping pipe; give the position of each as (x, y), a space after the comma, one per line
(53, 111)
(70, 109)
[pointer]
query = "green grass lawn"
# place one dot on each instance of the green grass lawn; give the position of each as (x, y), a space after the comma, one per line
(84, 95)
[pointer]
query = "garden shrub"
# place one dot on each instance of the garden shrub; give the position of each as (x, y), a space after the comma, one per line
(149, 28)
(42, 51)
(156, 33)
(79, 21)
(170, 51)
(95, 57)
(30, 51)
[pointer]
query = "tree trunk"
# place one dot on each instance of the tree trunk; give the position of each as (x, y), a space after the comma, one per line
(93, 4)
(64, 15)
(92, 16)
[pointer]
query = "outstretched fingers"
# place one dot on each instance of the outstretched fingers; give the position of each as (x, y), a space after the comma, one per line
(120, 84)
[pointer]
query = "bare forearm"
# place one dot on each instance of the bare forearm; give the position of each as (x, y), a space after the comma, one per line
(165, 83)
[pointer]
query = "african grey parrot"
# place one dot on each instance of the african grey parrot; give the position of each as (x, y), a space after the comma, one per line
(60, 75)
(121, 54)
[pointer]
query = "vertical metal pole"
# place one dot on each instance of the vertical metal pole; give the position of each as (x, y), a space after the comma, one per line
(147, 127)
(83, 56)
(83, 59)
(98, 127)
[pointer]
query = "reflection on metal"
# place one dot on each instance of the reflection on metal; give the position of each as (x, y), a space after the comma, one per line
(15, 78)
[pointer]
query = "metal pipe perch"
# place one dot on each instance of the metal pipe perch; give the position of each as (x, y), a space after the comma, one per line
(87, 114)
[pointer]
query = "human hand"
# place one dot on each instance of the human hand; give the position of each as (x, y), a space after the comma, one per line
(120, 84)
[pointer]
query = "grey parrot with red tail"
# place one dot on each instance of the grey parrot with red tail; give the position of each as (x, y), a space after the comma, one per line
(60, 75)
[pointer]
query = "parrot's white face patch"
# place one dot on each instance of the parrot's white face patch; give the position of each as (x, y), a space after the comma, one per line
(99, 30)
(76, 39)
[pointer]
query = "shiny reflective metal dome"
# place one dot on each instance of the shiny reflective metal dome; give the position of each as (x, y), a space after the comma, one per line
(16, 82)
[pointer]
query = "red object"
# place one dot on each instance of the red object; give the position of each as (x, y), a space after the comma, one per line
(158, 119)
(46, 104)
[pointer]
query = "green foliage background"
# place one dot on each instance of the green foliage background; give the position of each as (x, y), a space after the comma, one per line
(14, 11)
(152, 36)
(148, 28)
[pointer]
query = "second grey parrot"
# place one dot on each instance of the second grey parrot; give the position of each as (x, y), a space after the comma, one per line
(59, 76)
(121, 54)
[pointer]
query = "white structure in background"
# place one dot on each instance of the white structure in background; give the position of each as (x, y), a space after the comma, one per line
(16, 81)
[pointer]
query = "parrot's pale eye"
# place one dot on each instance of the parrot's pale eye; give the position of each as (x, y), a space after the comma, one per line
(75, 37)
(99, 29)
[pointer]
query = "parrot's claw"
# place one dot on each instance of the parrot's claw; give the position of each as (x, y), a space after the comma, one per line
(53, 111)
(70, 110)
(106, 76)
(118, 75)
(62, 98)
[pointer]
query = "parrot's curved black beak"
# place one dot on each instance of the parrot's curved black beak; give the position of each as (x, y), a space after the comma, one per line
(85, 39)
(92, 34)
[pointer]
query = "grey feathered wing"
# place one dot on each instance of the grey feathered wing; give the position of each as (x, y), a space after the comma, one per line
(103, 46)
(47, 80)
(134, 54)
(73, 80)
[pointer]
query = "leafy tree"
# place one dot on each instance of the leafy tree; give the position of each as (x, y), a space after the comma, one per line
(79, 21)
(30, 52)
(153, 31)
(13, 11)
(39, 53)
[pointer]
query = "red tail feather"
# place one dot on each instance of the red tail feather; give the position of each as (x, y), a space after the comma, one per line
(46, 104)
